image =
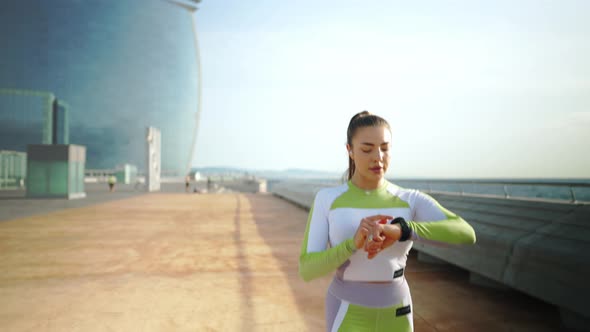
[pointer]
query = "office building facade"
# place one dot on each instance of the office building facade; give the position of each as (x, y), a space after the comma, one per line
(119, 67)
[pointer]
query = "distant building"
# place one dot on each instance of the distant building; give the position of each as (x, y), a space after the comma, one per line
(13, 169)
(120, 65)
(126, 174)
(25, 117)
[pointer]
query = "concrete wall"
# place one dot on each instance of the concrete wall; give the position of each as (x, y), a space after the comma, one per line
(243, 185)
(542, 249)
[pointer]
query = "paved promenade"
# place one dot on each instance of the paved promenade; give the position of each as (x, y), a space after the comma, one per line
(217, 262)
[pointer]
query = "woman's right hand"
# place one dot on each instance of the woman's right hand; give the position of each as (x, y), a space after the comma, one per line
(366, 228)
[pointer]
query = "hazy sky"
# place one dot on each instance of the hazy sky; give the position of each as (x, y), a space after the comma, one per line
(471, 88)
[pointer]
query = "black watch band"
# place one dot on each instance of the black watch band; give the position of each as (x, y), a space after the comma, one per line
(406, 231)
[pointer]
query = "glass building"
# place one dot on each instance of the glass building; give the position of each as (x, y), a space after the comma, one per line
(115, 67)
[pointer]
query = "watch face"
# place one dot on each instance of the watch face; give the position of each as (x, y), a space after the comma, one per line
(397, 220)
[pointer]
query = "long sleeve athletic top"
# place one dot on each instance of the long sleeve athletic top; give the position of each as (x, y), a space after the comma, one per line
(337, 212)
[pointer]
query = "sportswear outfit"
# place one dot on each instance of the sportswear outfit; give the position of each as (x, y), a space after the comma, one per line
(371, 294)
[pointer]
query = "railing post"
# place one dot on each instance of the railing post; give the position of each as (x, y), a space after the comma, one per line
(506, 195)
(574, 200)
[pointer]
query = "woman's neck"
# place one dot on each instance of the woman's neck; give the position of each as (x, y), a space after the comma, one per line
(365, 184)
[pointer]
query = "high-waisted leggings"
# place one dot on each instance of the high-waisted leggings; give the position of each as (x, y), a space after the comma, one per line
(359, 316)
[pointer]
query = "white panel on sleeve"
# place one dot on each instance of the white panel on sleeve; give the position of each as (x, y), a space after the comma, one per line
(318, 236)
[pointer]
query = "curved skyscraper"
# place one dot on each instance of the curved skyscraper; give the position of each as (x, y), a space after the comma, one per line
(120, 66)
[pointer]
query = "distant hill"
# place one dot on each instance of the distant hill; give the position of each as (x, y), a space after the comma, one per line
(291, 173)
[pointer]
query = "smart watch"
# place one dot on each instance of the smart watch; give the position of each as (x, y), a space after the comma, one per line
(406, 231)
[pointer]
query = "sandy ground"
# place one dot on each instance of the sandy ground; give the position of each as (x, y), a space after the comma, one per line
(189, 262)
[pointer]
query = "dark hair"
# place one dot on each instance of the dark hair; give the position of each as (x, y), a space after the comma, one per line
(360, 120)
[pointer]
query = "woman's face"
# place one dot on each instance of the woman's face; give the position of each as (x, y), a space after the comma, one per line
(370, 152)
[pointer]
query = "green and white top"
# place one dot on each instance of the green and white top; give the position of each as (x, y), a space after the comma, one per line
(337, 212)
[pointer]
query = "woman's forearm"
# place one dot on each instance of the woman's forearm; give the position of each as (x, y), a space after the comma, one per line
(316, 264)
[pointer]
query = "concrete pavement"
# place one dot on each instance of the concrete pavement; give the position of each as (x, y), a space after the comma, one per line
(217, 262)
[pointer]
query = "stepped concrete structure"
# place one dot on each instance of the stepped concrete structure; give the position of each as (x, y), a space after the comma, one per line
(539, 248)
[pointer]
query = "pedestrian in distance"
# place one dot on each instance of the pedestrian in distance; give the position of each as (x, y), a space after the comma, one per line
(112, 180)
(363, 231)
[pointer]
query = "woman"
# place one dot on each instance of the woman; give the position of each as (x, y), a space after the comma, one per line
(364, 230)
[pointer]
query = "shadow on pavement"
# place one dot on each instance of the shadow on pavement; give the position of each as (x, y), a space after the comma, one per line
(244, 269)
(284, 239)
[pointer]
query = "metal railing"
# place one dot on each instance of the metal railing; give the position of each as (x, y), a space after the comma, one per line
(559, 191)
(575, 192)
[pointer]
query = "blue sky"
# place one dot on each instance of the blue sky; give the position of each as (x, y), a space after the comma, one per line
(470, 88)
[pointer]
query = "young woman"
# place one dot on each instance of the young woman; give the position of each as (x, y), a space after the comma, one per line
(364, 230)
